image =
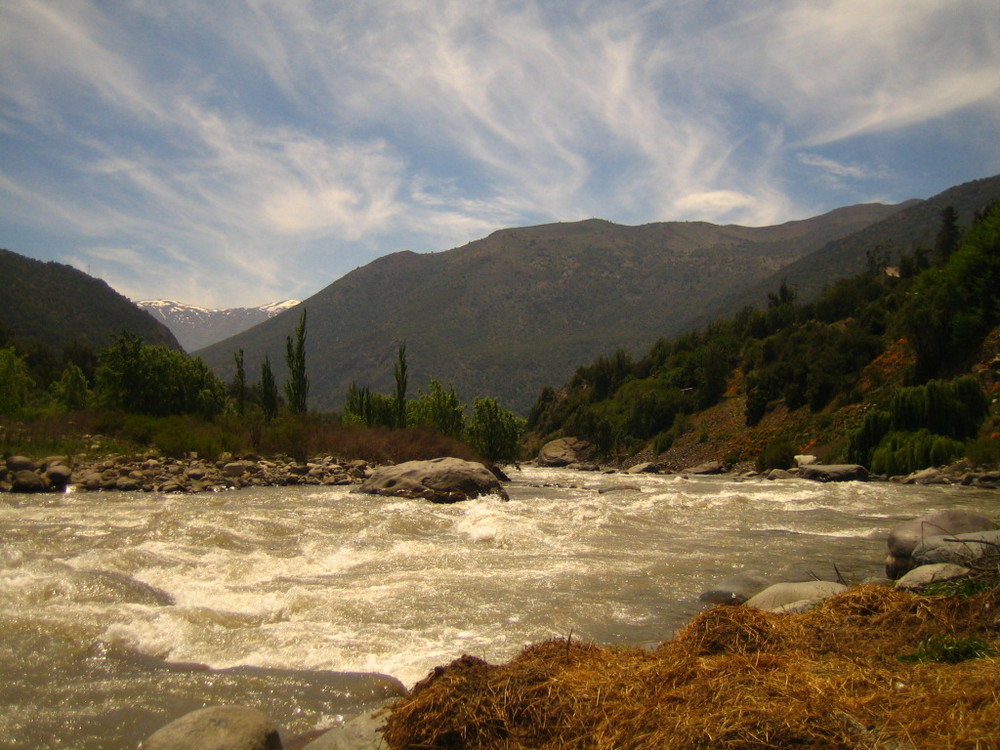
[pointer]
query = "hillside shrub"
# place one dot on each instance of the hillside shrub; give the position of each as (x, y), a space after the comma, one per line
(777, 455)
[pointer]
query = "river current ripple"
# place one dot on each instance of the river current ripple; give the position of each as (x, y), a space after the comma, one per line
(108, 600)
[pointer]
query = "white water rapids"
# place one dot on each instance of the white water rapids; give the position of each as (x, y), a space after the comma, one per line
(107, 598)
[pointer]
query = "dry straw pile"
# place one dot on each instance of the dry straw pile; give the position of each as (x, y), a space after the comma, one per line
(737, 677)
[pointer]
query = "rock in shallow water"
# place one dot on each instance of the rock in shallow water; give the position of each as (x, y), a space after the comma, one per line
(440, 480)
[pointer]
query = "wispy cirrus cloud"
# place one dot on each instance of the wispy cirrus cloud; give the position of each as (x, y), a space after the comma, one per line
(255, 149)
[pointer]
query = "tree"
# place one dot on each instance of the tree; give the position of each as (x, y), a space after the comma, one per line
(157, 380)
(268, 390)
(401, 385)
(949, 236)
(14, 381)
(439, 409)
(240, 383)
(297, 385)
(494, 432)
(71, 389)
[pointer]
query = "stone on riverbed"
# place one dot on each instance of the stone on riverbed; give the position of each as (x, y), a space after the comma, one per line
(440, 480)
(218, 728)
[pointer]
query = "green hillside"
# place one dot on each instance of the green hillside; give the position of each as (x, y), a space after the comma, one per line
(894, 368)
(56, 305)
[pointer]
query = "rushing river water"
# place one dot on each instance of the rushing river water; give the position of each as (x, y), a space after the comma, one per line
(109, 600)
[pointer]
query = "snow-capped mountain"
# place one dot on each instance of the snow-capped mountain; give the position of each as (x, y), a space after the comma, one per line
(198, 327)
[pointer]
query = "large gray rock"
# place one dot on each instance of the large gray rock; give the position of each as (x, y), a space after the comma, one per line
(440, 480)
(834, 472)
(794, 597)
(563, 452)
(905, 537)
(960, 549)
(217, 728)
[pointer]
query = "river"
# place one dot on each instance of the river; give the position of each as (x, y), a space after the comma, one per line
(109, 601)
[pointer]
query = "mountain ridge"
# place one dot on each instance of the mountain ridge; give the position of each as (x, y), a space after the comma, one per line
(523, 307)
(196, 327)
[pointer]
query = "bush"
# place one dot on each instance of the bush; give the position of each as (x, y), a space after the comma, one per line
(779, 455)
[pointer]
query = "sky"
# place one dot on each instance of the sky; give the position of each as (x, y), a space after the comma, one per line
(238, 152)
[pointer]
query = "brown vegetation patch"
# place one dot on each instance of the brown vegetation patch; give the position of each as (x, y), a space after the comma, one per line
(735, 677)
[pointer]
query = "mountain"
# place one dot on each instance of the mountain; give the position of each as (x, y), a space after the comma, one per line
(914, 225)
(198, 327)
(522, 308)
(57, 304)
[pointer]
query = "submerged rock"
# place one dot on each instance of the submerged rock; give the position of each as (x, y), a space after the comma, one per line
(440, 480)
(735, 589)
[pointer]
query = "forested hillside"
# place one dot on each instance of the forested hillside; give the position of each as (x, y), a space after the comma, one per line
(58, 305)
(893, 366)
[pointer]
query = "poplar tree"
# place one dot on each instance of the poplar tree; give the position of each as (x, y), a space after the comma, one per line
(297, 385)
(268, 390)
(401, 385)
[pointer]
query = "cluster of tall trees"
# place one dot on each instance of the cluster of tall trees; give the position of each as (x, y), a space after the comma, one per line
(491, 430)
(942, 300)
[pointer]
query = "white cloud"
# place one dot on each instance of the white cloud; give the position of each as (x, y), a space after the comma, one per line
(219, 137)
(836, 168)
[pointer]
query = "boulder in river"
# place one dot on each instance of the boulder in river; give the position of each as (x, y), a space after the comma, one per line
(440, 480)
(563, 452)
(219, 728)
(905, 537)
(834, 472)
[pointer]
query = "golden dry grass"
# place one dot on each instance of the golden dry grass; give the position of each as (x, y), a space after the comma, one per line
(735, 677)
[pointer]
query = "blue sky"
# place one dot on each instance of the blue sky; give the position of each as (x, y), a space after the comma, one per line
(237, 152)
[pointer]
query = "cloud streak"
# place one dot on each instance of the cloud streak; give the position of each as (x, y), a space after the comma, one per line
(249, 150)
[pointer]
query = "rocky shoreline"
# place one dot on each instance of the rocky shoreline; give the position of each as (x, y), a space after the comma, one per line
(155, 473)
